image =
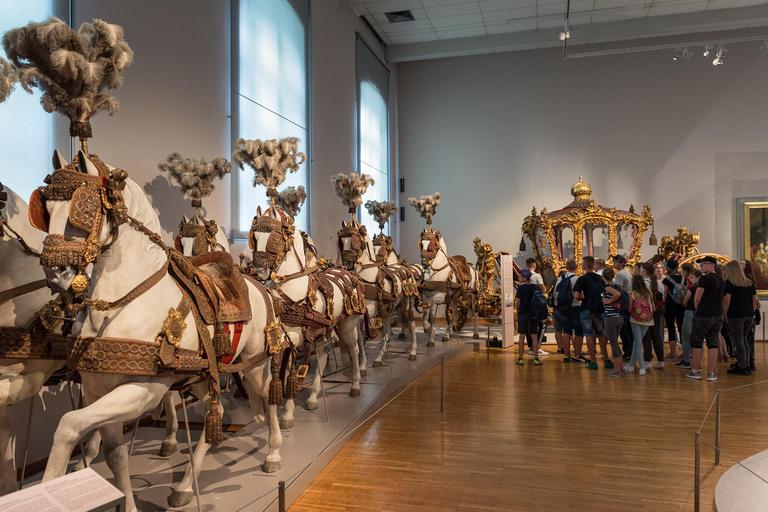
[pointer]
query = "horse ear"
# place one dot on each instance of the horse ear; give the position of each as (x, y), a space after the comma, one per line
(259, 213)
(85, 165)
(58, 161)
(184, 219)
(343, 224)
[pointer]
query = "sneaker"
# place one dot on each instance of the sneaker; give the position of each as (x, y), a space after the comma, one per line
(566, 359)
(622, 370)
(711, 377)
(642, 371)
(734, 365)
(739, 371)
(591, 366)
(519, 362)
(537, 362)
(578, 359)
(752, 367)
(659, 365)
(693, 374)
(679, 346)
(721, 359)
(615, 373)
(543, 353)
(609, 364)
(530, 351)
(626, 358)
(647, 365)
(560, 351)
(629, 369)
(670, 357)
(683, 364)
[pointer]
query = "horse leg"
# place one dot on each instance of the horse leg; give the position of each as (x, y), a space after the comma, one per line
(404, 305)
(91, 450)
(380, 354)
(454, 316)
(348, 337)
(322, 359)
(7, 471)
(169, 445)
(117, 458)
(476, 334)
(183, 493)
(287, 421)
(426, 325)
(363, 360)
(412, 332)
(258, 379)
(430, 314)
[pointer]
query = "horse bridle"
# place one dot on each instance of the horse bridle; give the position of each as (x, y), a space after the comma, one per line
(280, 239)
(357, 233)
(204, 236)
(429, 254)
(385, 247)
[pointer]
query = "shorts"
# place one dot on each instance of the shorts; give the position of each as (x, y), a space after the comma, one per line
(570, 321)
(526, 326)
(591, 323)
(557, 322)
(706, 328)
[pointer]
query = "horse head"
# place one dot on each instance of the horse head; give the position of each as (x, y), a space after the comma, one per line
(430, 245)
(384, 250)
(198, 236)
(354, 245)
(275, 248)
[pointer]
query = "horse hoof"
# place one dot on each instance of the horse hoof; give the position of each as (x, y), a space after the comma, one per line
(270, 466)
(411, 357)
(475, 336)
(363, 373)
(446, 338)
(311, 406)
(286, 424)
(376, 364)
(430, 344)
(168, 448)
(180, 498)
(354, 392)
(401, 336)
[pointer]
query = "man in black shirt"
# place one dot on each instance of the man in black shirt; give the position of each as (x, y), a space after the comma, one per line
(589, 290)
(707, 320)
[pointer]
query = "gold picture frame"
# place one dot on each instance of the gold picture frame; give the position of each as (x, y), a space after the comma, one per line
(755, 222)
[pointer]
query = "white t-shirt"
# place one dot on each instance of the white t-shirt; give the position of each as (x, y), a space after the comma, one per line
(536, 279)
(624, 279)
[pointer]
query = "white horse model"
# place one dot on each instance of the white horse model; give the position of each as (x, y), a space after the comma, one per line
(21, 277)
(388, 287)
(280, 261)
(110, 208)
(445, 280)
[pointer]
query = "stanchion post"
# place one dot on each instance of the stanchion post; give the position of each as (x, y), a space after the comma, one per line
(442, 380)
(74, 408)
(281, 496)
(196, 488)
(26, 440)
(488, 347)
(325, 402)
(717, 428)
(697, 475)
(133, 435)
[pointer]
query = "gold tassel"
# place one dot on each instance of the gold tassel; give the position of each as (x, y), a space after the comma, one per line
(213, 431)
(275, 386)
(222, 343)
(292, 386)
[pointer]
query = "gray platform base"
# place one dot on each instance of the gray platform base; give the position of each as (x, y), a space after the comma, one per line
(738, 490)
(231, 477)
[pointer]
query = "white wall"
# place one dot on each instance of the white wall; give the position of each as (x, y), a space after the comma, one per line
(497, 134)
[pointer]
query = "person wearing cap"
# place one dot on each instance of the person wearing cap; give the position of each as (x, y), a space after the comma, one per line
(673, 311)
(536, 279)
(624, 279)
(526, 325)
(599, 266)
(707, 320)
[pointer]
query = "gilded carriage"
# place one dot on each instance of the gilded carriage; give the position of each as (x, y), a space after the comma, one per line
(584, 228)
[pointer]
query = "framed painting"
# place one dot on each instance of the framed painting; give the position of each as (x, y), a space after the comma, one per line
(755, 222)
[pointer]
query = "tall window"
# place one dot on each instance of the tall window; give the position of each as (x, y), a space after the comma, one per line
(373, 127)
(28, 134)
(271, 94)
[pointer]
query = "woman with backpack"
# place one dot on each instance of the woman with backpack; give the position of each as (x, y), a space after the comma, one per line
(616, 301)
(526, 325)
(654, 337)
(641, 309)
(693, 276)
(675, 288)
(739, 307)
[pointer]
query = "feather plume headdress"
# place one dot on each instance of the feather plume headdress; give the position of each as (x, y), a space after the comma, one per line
(381, 211)
(8, 78)
(426, 206)
(72, 69)
(194, 175)
(271, 160)
(290, 200)
(350, 188)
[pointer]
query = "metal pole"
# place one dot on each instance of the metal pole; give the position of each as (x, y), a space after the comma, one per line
(133, 435)
(325, 402)
(717, 428)
(442, 380)
(697, 475)
(763, 326)
(488, 347)
(389, 356)
(191, 455)
(26, 440)
(281, 496)
(74, 408)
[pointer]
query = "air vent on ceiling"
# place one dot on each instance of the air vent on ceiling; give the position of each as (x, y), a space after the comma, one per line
(399, 16)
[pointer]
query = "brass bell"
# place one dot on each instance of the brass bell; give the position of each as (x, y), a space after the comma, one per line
(653, 240)
(522, 244)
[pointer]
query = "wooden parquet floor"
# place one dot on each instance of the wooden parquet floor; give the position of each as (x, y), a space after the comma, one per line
(553, 438)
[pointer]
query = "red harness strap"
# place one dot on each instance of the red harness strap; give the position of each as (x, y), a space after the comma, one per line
(235, 341)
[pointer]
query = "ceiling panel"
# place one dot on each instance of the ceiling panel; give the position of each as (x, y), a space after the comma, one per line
(416, 37)
(393, 5)
(511, 26)
(462, 32)
(510, 14)
(456, 21)
(501, 5)
(453, 10)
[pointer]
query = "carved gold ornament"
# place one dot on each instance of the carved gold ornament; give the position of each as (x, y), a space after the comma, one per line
(173, 328)
(79, 283)
(48, 315)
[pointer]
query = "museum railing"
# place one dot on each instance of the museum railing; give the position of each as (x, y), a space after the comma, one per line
(714, 414)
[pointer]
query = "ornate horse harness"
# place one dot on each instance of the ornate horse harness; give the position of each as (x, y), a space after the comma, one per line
(459, 275)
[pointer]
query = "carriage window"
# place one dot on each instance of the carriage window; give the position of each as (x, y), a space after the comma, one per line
(373, 128)
(29, 134)
(270, 100)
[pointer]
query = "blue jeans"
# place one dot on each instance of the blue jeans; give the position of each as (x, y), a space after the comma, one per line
(685, 334)
(570, 322)
(591, 323)
(638, 331)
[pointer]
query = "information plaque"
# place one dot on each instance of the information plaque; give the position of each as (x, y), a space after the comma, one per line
(508, 301)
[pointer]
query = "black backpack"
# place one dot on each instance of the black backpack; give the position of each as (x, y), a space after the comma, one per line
(563, 293)
(595, 296)
(539, 310)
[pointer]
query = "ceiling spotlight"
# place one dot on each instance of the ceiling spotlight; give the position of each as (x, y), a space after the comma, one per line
(687, 53)
(721, 51)
(566, 33)
(677, 53)
(764, 46)
(706, 50)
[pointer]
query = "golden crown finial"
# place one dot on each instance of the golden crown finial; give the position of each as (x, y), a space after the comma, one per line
(581, 191)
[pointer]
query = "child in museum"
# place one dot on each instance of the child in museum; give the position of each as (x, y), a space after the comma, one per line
(613, 318)
(654, 337)
(641, 309)
(673, 306)
(693, 275)
(525, 324)
(739, 307)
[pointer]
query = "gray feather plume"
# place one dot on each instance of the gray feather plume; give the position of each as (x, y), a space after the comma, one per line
(8, 78)
(426, 205)
(290, 200)
(271, 160)
(381, 211)
(73, 69)
(194, 175)
(350, 188)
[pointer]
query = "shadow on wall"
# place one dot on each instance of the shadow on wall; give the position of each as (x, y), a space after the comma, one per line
(169, 203)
